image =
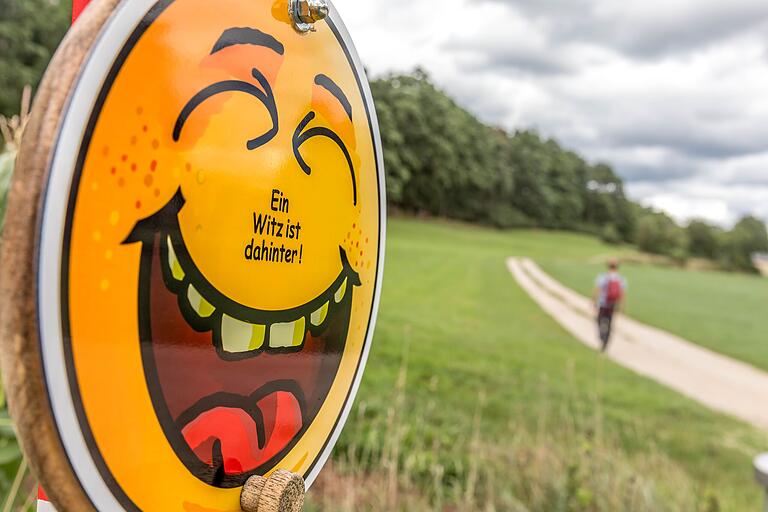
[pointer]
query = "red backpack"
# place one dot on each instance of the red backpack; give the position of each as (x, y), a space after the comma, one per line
(614, 291)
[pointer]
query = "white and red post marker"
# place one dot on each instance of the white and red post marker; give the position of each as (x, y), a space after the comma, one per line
(43, 505)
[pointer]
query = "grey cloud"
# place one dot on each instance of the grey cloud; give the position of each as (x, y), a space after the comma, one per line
(511, 60)
(670, 92)
(691, 142)
(655, 173)
(643, 29)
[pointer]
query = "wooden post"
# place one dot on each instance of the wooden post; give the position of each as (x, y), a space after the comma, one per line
(281, 492)
(42, 499)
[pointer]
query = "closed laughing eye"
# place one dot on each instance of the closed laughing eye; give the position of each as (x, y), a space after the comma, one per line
(300, 136)
(265, 95)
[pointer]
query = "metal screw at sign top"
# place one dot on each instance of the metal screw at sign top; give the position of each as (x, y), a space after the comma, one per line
(305, 13)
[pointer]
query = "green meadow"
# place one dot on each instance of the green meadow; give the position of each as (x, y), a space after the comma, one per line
(474, 398)
(722, 311)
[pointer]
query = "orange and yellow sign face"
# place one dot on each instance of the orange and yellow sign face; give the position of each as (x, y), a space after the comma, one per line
(221, 253)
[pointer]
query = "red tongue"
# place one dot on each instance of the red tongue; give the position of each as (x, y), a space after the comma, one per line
(235, 431)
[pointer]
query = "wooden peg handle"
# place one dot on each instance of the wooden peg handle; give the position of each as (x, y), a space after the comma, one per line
(283, 491)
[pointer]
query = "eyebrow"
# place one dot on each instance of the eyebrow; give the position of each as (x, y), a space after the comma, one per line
(330, 86)
(244, 35)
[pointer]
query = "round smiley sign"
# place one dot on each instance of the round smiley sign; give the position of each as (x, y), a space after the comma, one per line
(208, 253)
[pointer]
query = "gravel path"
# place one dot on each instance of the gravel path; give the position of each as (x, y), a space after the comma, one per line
(720, 383)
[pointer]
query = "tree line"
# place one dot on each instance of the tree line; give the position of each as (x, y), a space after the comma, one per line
(443, 161)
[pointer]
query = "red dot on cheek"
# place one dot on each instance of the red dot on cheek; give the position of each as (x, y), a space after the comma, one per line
(153, 166)
(138, 204)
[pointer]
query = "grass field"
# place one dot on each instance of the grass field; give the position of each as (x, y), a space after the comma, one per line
(721, 311)
(473, 395)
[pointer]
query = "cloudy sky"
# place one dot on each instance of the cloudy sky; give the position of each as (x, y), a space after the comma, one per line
(672, 93)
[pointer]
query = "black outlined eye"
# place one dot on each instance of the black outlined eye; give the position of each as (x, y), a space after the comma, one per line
(300, 136)
(265, 95)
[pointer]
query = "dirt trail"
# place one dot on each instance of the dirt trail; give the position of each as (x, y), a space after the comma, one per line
(716, 381)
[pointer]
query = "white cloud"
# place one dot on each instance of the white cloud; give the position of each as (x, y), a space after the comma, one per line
(672, 93)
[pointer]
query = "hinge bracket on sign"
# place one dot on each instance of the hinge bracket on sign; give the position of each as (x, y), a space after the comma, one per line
(305, 13)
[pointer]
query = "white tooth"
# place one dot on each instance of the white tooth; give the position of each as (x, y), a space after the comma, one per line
(340, 292)
(202, 307)
(238, 336)
(287, 335)
(318, 317)
(173, 262)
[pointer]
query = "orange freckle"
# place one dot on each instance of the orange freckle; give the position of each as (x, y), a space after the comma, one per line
(354, 226)
(155, 144)
(145, 128)
(157, 192)
(188, 167)
(366, 239)
(153, 166)
(148, 180)
(124, 158)
(113, 170)
(121, 182)
(105, 151)
(139, 111)
(357, 244)
(133, 167)
(133, 140)
(138, 204)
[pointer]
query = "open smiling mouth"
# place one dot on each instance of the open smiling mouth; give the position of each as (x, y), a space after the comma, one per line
(234, 387)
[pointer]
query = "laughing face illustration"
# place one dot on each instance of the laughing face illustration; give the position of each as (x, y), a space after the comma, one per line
(222, 252)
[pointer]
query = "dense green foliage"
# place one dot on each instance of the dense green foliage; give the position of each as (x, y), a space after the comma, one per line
(657, 233)
(30, 30)
(443, 161)
(746, 238)
(704, 240)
